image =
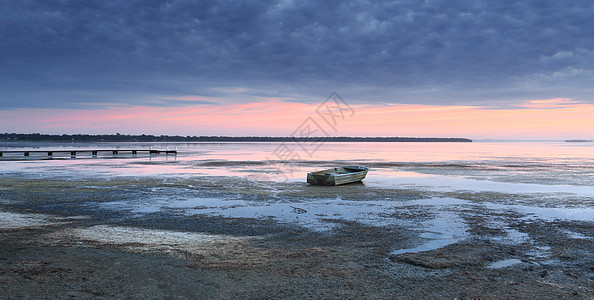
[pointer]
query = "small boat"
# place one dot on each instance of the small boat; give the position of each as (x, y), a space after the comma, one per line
(337, 176)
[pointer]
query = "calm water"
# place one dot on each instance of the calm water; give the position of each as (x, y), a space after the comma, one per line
(565, 165)
(535, 180)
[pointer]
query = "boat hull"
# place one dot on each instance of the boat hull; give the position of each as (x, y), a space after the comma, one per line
(337, 176)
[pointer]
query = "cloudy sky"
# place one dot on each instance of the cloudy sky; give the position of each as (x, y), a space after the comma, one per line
(428, 68)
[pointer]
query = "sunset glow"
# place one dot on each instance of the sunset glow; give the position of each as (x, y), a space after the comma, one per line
(541, 119)
(479, 70)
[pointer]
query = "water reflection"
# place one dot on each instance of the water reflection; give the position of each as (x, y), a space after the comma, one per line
(543, 162)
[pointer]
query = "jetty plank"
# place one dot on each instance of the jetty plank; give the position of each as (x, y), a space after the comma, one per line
(74, 153)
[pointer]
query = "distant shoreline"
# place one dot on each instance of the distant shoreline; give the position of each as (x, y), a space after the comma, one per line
(578, 141)
(36, 137)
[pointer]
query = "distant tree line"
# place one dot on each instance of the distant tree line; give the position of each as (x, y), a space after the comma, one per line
(38, 137)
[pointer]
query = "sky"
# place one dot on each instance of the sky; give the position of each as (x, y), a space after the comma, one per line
(477, 69)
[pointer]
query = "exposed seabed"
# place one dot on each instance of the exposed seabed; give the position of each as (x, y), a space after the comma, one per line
(227, 236)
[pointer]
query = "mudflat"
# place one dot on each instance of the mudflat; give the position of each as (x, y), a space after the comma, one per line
(104, 238)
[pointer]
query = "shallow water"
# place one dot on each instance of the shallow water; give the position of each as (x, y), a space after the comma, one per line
(531, 181)
(536, 162)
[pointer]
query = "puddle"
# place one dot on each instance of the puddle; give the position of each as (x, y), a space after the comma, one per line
(311, 214)
(512, 237)
(439, 232)
(504, 263)
(576, 235)
(547, 213)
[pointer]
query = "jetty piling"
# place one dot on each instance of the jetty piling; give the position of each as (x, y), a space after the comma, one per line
(94, 153)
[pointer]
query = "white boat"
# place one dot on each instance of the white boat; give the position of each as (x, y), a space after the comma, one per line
(337, 176)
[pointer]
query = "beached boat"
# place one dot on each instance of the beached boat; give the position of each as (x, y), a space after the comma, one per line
(337, 176)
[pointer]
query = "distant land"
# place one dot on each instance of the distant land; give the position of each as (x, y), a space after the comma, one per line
(70, 138)
(578, 141)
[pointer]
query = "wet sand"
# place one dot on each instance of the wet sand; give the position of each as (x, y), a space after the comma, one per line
(83, 238)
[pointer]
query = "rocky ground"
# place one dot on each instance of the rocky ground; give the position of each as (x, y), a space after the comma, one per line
(57, 242)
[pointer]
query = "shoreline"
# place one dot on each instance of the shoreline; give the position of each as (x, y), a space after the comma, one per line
(87, 138)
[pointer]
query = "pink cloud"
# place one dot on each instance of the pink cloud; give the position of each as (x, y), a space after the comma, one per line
(550, 103)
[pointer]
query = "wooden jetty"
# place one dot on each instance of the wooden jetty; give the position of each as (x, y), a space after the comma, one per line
(74, 153)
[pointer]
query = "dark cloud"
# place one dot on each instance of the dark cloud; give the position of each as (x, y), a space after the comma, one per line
(59, 53)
